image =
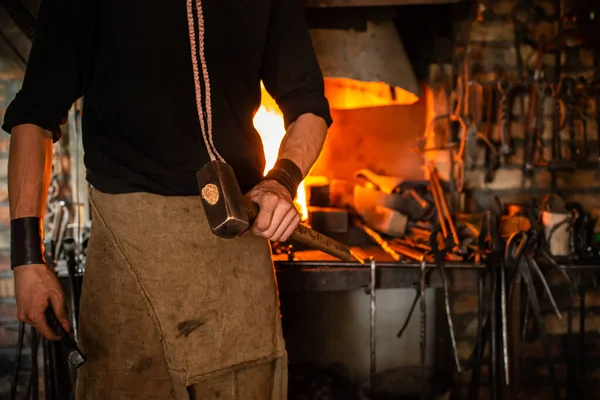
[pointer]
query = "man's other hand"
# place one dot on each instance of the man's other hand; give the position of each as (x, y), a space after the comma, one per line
(278, 217)
(37, 287)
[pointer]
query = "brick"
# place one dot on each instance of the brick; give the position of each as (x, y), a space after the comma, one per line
(4, 144)
(4, 239)
(3, 166)
(4, 215)
(487, 59)
(506, 179)
(497, 31)
(3, 191)
(578, 179)
(530, 58)
(4, 260)
(7, 288)
(555, 278)
(592, 345)
(535, 349)
(8, 311)
(592, 299)
(556, 326)
(464, 303)
(471, 327)
(586, 58)
(8, 335)
(561, 371)
(465, 349)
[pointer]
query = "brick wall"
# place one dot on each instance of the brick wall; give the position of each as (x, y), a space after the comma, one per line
(10, 80)
(492, 54)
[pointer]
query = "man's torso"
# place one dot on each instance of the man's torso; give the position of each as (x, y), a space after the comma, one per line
(140, 122)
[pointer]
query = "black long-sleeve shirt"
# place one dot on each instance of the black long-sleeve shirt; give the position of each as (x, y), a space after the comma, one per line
(132, 61)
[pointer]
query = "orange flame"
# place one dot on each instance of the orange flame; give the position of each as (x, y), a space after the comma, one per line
(268, 121)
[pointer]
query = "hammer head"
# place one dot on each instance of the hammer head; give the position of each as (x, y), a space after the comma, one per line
(223, 201)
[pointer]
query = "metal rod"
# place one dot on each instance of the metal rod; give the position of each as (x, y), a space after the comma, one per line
(373, 326)
(332, 265)
(503, 306)
(423, 329)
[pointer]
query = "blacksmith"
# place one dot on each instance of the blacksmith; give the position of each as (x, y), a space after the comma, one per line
(168, 310)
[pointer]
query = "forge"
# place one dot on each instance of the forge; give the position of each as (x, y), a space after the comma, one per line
(462, 166)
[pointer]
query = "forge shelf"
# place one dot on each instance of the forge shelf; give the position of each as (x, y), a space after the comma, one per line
(314, 271)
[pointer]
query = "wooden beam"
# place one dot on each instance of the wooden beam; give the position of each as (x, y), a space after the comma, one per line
(373, 3)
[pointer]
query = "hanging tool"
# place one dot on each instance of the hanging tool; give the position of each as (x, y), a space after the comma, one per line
(492, 154)
(528, 244)
(423, 329)
(477, 356)
(410, 313)
(558, 162)
(474, 122)
(372, 332)
(440, 246)
(538, 93)
(575, 118)
(506, 147)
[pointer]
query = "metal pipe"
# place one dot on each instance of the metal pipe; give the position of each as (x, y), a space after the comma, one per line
(373, 369)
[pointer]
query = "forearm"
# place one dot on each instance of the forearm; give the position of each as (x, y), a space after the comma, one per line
(29, 171)
(304, 141)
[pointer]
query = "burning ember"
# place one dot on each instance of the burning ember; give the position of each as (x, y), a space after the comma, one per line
(268, 121)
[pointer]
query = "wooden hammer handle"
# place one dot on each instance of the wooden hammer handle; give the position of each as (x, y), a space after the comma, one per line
(310, 238)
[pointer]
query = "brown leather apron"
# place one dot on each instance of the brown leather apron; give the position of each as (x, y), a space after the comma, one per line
(168, 310)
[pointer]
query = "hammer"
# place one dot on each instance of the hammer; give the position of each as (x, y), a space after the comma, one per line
(74, 355)
(230, 214)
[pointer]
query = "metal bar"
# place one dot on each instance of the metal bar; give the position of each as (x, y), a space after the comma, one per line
(372, 289)
(373, 3)
(332, 265)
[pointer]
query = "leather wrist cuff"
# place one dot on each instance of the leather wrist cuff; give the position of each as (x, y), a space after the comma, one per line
(288, 174)
(26, 242)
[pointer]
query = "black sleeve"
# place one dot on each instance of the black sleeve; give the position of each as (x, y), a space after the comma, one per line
(290, 72)
(58, 68)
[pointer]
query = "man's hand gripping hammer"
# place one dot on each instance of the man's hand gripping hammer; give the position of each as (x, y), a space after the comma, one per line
(230, 214)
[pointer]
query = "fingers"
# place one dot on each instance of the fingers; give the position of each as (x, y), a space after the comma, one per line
(291, 228)
(285, 225)
(41, 324)
(268, 205)
(58, 305)
(281, 212)
(275, 223)
(36, 318)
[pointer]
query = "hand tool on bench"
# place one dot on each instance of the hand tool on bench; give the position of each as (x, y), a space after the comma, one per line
(385, 246)
(443, 210)
(74, 355)
(230, 214)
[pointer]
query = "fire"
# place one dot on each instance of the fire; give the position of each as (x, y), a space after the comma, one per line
(268, 121)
